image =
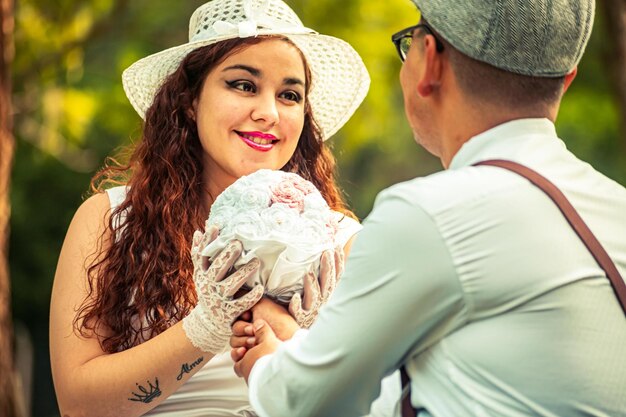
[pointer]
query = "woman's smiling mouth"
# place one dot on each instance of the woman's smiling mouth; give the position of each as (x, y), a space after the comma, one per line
(258, 140)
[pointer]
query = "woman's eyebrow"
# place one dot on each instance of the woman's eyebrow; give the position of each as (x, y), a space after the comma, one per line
(258, 73)
(254, 71)
(293, 81)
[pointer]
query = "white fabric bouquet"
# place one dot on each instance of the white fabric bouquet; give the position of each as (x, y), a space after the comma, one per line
(280, 218)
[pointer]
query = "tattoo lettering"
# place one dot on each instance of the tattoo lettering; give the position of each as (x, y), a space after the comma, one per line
(186, 368)
(147, 394)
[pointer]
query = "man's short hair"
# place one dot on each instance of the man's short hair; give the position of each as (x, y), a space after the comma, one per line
(486, 83)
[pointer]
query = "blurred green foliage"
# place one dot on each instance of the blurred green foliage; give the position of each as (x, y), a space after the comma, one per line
(71, 111)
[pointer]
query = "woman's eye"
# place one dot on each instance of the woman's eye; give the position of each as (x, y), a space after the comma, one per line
(242, 85)
(292, 96)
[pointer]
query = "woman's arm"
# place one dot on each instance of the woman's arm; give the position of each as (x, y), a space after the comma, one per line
(348, 246)
(89, 381)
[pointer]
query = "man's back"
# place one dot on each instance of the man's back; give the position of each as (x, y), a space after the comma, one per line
(542, 333)
(472, 277)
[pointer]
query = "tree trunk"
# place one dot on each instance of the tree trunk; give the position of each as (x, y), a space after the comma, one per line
(8, 392)
(615, 14)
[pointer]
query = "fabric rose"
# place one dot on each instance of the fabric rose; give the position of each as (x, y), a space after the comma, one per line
(287, 193)
(280, 218)
(254, 198)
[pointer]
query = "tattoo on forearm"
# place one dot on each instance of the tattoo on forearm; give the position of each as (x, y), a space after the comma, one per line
(147, 394)
(186, 368)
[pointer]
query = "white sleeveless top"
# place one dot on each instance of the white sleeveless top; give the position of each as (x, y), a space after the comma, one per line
(215, 390)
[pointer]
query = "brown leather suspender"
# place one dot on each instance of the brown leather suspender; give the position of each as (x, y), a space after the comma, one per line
(407, 408)
(579, 226)
(574, 219)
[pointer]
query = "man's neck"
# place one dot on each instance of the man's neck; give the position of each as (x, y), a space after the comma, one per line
(471, 120)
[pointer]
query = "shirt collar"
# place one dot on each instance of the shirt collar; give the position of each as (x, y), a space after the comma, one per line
(501, 141)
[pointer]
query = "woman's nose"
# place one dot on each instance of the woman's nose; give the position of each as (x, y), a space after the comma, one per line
(266, 110)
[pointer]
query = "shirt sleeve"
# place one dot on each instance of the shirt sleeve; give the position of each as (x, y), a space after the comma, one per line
(399, 294)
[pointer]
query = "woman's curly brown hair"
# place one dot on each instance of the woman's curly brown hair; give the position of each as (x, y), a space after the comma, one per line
(142, 282)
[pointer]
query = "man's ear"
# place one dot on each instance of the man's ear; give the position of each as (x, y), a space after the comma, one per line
(569, 78)
(433, 65)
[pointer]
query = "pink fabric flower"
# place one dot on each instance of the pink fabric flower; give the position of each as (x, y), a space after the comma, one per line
(303, 185)
(290, 192)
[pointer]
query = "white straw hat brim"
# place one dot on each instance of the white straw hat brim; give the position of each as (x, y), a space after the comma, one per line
(339, 82)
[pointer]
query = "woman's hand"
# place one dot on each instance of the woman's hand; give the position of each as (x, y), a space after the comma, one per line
(242, 339)
(317, 293)
(208, 326)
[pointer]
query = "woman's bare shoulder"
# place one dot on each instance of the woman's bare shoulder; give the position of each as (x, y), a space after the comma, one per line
(97, 205)
(91, 218)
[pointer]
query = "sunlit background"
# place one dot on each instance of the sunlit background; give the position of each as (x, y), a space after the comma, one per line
(71, 111)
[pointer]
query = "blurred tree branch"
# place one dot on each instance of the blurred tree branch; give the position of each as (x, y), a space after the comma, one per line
(98, 29)
(615, 15)
(9, 404)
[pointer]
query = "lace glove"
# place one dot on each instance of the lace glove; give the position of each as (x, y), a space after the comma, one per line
(317, 293)
(208, 326)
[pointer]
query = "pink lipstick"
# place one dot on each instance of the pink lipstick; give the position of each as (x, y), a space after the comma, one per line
(258, 140)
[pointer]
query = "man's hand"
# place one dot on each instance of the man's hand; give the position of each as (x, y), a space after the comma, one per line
(266, 343)
(277, 316)
(281, 322)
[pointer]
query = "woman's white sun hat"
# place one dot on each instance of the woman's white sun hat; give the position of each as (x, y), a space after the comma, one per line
(339, 82)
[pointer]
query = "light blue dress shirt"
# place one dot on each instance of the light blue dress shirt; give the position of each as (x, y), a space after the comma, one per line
(475, 279)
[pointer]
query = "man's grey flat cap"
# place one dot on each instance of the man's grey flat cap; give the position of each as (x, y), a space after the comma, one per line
(544, 38)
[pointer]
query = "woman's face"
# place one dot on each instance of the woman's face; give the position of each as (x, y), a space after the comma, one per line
(250, 112)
